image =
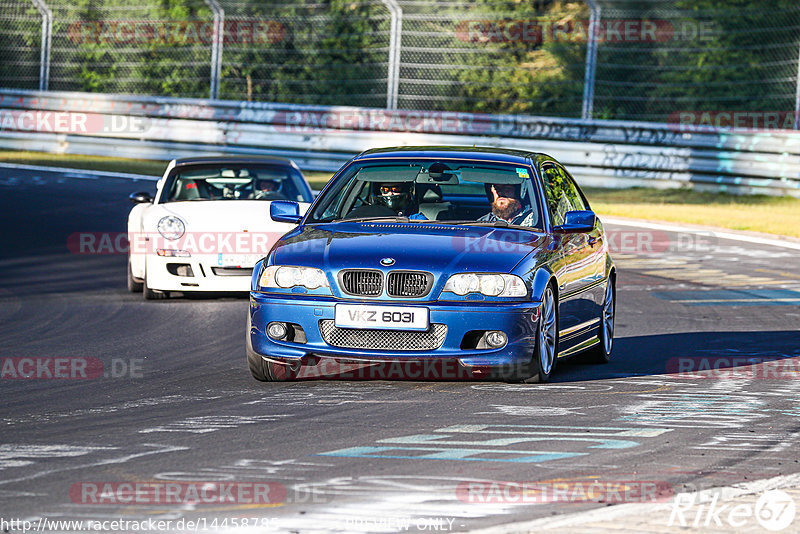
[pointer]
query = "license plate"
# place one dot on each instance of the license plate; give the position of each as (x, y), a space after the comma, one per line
(384, 317)
(238, 260)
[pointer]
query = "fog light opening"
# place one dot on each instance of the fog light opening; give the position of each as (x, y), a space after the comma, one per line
(276, 330)
(496, 339)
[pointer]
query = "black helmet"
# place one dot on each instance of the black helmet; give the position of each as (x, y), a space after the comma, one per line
(395, 195)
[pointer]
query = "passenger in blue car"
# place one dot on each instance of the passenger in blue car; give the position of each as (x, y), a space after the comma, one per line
(398, 197)
(506, 205)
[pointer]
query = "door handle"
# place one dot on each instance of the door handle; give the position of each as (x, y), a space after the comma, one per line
(594, 240)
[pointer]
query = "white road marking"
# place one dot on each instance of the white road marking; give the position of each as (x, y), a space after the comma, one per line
(776, 242)
(107, 461)
(212, 423)
(85, 172)
(531, 411)
(22, 455)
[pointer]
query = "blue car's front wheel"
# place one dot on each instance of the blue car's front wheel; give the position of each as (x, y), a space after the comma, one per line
(547, 344)
(543, 360)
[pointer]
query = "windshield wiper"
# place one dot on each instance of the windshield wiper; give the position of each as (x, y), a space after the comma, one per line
(370, 219)
(496, 224)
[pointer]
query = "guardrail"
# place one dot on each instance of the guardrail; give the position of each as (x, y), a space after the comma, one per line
(599, 153)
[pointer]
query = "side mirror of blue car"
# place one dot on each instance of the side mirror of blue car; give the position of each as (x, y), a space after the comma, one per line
(285, 211)
(577, 222)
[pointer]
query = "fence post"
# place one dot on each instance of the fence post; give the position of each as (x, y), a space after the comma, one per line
(591, 61)
(797, 97)
(395, 38)
(47, 38)
(216, 46)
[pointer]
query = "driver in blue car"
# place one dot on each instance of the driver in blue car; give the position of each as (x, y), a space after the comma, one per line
(398, 197)
(506, 205)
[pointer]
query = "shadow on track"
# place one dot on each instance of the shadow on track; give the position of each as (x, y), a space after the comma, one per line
(719, 354)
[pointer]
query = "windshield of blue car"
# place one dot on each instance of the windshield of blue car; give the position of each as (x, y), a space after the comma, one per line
(236, 182)
(424, 191)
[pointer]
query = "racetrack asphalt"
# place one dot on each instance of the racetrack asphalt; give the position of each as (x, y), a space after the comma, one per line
(173, 401)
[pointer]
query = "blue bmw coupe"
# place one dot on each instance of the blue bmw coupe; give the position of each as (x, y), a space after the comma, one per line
(434, 262)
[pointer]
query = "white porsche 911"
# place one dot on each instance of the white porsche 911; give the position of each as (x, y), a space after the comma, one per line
(209, 223)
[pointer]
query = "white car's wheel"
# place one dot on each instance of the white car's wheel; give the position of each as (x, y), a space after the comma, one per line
(153, 294)
(135, 285)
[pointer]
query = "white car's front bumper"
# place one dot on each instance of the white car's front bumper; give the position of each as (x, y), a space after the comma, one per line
(198, 273)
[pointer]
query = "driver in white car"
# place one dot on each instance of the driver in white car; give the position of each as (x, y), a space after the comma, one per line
(265, 189)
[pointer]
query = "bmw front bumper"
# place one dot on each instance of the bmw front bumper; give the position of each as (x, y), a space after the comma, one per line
(315, 315)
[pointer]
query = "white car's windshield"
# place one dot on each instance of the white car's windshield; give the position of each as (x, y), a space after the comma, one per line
(236, 182)
(451, 192)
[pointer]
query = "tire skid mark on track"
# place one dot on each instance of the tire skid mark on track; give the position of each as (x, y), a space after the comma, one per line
(101, 410)
(204, 424)
(335, 396)
(725, 404)
(126, 457)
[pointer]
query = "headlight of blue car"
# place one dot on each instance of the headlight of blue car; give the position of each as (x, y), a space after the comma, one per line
(490, 285)
(287, 277)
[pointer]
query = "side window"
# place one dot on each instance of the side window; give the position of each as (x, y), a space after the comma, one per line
(574, 195)
(561, 193)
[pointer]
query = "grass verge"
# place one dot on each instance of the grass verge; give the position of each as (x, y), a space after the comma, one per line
(771, 215)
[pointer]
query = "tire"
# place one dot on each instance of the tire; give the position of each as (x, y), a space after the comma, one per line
(254, 361)
(544, 358)
(601, 353)
(279, 372)
(135, 285)
(153, 294)
(265, 371)
(546, 355)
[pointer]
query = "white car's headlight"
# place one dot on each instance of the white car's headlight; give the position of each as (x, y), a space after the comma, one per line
(171, 227)
(491, 285)
(284, 276)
